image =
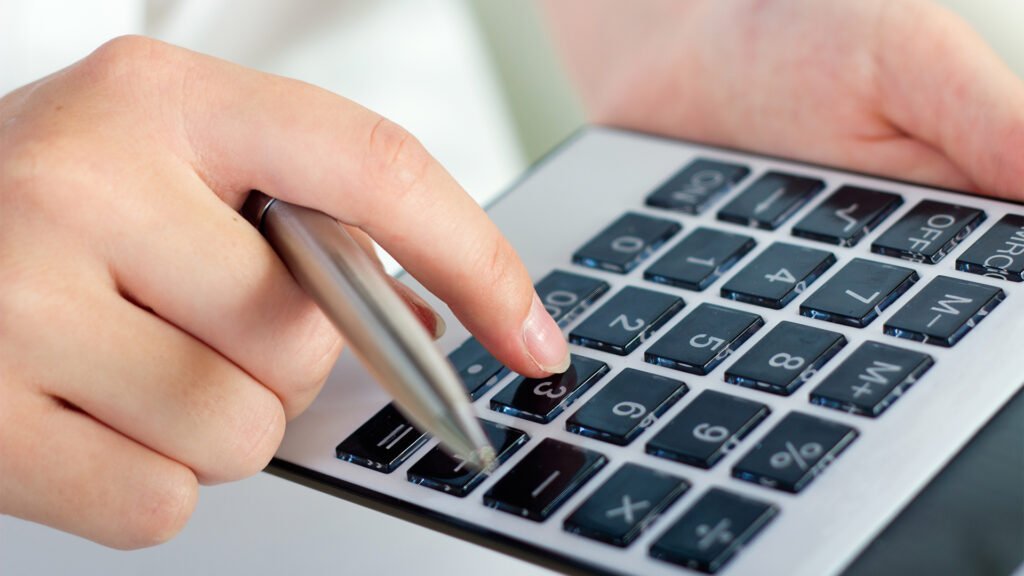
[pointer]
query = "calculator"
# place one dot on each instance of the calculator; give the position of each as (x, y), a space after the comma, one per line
(770, 359)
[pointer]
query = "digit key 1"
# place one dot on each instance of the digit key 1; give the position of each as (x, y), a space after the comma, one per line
(848, 215)
(785, 358)
(626, 320)
(566, 295)
(707, 429)
(694, 187)
(543, 399)
(777, 275)
(626, 242)
(928, 232)
(770, 200)
(703, 339)
(858, 293)
(441, 471)
(383, 442)
(626, 406)
(699, 259)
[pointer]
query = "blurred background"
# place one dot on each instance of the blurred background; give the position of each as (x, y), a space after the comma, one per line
(478, 82)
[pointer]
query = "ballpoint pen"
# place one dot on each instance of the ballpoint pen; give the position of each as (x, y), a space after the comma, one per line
(391, 343)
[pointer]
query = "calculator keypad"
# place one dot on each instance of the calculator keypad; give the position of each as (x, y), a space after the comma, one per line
(770, 200)
(703, 339)
(626, 320)
(785, 358)
(848, 215)
(928, 232)
(694, 187)
(778, 275)
(626, 406)
(625, 242)
(700, 259)
(944, 311)
(543, 399)
(859, 292)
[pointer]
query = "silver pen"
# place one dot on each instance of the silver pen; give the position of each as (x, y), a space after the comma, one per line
(391, 343)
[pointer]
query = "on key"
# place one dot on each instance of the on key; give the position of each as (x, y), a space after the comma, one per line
(626, 242)
(713, 531)
(999, 253)
(770, 200)
(795, 452)
(625, 505)
(928, 232)
(871, 379)
(566, 295)
(859, 292)
(543, 399)
(700, 259)
(383, 442)
(785, 358)
(626, 406)
(703, 339)
(944, 311)
(544, 479)
(848, 215)
(698, 184)
(778, 275)
(626, 320)
(707, 429)
(450, 474)
(478, 370)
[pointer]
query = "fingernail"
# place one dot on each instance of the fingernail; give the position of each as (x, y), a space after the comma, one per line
(544, 341)
(430, 319)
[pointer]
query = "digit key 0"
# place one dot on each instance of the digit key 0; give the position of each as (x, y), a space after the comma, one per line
(795, 452)
(871, 379)
(770, 200)
(566, 295)
(543, 399)
(383, 442)
(848, 215)
(694, 187)
(707, 429)
(999, 253)
(703, 339)
(626, 242)
(777, 275)
(626, 406)
(928, 232)
(699, 259)
(785, 358)
(944, 311)
(441, 471)
(626, 320)
(859, 292)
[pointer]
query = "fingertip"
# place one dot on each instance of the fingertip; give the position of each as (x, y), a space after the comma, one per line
(543, 341)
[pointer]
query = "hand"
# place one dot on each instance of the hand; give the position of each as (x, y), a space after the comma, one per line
(149, 337)
(900, 88)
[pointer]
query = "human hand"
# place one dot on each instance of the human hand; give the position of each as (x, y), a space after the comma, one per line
(901, 88)
(149, 338)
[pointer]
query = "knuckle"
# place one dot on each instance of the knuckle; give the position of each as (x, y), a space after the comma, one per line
(162, 510)
(318, 352)
(396, 160)
(123, 55)
(253, 439)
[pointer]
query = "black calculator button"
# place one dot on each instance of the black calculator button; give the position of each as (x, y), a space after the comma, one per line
(697, 185)
(626, 242)
(566, 295)
(626, 406)
(859, 292)
(999, 253)
(777, 275)
(544, 479)
(625, 505)
(795, 452)
(848, 215)
(699, 259)
(928, 232)
(543, 399)
(944, 311)
(707, 429)
(707, 535)
(383, 442)
(626, 320)
(450, 474)
(478, 370)
(871, 379)
(770, 200)
(703, 339)
(785, 358)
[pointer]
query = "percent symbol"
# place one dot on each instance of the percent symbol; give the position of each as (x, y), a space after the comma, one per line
(791, 455)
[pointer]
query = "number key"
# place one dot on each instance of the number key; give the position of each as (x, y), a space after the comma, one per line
(625, 321)
(785, 358)
(626, 406)
(859, 292)
(543, 399)
(705, 338)
(626, 242)
(566, 295)
(707, 429)
(450, 474)
(777, 275)
(699, 259)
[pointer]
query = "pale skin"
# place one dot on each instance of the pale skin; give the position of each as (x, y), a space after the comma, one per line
(151, 341)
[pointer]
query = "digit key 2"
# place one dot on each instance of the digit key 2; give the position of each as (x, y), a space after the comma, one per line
(626, 320)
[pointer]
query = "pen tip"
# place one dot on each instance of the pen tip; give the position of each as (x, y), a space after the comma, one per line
(484, 459)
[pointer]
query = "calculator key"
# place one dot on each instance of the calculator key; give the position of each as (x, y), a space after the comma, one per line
(383, 442)
(543, 399)
(699, 259)
(703, 339)
(713, 531)
(871, 379)
(795, 452)
(478, 370)
(625, 505)
(928, 232)
(544, 479)
(999, 253)
(848, 215)
(944, 311)
(566, 295)
(778, 275)
(707, 429)
(859, 292)
(626, 320)
(770, 200)
(626, 242)
(785, 358)
(694, 187)
(626, 406)
(450, 474)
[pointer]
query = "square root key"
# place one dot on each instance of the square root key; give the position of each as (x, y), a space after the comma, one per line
(694, 187)
(626, 242)
(944, 311)
(848, 215)
(928, 232)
